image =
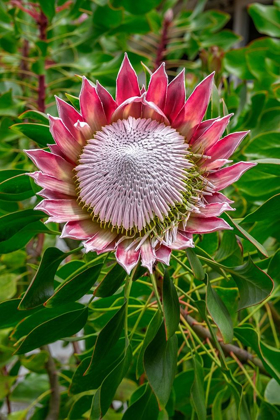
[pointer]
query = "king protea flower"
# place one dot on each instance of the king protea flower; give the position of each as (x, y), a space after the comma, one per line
(141, 174)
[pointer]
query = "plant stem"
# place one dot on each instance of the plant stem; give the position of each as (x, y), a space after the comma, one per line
(127, 290)
(43, 24)
(54, 404)
(163, 39)
(155, 287)
(243, 355)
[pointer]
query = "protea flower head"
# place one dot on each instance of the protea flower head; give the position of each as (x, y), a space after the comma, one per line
(138, 175)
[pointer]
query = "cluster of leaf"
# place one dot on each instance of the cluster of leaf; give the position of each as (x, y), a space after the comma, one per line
(210, 347)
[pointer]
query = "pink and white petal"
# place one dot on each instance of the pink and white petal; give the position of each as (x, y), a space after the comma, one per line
(100, 240)
(91, 106)
(70, 116)
(151, 110)
(64, 139)
(62, 210)
(183, 240)
(163, 254)
(176, 96)
(202, 128)
(51, 164)
(109, 104)
(218, 197)
(127, 258)
(132, 107)
(226, 176)
(52, 195)
(57, 186)
(205, 225)
(109, 248)
(213, 165)
(225, 147)
(192, 113)
(80, 230)
(57, 151)
(127, 82)
(211, 135)
(148, 255)
(84, 128)
(156, 92)
(214, 209)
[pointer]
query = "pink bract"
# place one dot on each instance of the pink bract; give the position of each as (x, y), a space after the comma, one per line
(141, 174)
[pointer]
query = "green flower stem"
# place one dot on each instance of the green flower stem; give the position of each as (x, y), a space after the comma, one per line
(127, 290)
(184, 293)
(183, 264)
(140, 316)
(154, 283)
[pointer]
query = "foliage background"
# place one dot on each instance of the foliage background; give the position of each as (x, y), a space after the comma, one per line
(226, 296)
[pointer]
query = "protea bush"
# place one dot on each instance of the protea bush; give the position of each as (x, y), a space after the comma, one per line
(141, 174)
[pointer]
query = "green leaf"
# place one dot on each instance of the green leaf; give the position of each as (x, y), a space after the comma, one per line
(269, 210)
(106, 17)
(42, 286)
(35, 362)
(254, 285)
(197, 391)
(34, 115)
(145, 407)
(48, 8)
(224, 39)
(235, 63)
(97, 372)
(108, 337)
(23, 236)
(33, 318)
(16, 229)
(39, 133)
(195, 264)
(111, 282)
(75, 287)
(55, 329)
(105, 394)
(10, 315)
(151, 332)
(239, 231)
(171, 306)
(74, 100)
(266, 19)
(264, 145)
(160, 362)
(8, 285)
(219, 313)
(268, 355)
(272, 392)
(17, 188)
(217, 411)
(8, 107)
(139, 8)
(273, 268)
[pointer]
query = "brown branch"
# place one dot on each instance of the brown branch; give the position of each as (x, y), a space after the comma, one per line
(54, 404)
(243, 355)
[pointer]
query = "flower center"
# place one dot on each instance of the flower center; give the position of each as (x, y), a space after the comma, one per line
(133, 173)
